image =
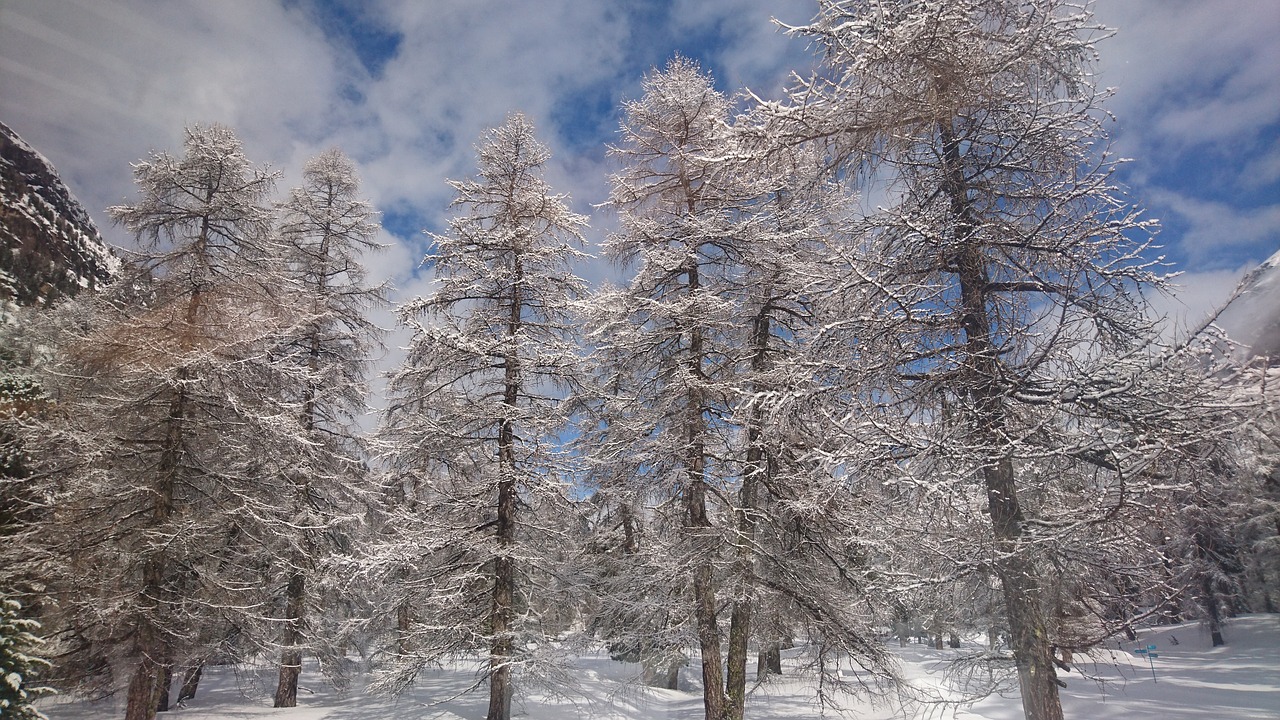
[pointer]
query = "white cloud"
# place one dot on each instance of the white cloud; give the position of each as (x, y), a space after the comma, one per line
(1190, 72)
(1194, 297)
(754, 53)
(1216, 227)
(1195, 83)
(1261, 169)
(96, 84)
(1198, 107)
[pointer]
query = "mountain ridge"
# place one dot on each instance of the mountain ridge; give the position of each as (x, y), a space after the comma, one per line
(49, 246)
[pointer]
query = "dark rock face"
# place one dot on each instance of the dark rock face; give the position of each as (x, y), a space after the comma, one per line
(49, 247)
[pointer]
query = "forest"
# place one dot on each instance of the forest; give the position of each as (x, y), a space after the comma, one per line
(885, 365)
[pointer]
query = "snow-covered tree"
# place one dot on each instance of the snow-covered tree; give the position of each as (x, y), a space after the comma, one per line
(1260, 475)
(1217, 534)
(661, 341)
(326, 228)
(20, 663)
(798, 517)
(168, 429)
(696, 436)
(1036, 405)
(21, 393)
(474, 419)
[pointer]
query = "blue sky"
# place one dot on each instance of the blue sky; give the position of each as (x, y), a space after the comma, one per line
(406, 86)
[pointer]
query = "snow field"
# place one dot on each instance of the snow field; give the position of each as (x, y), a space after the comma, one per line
(1194, 681)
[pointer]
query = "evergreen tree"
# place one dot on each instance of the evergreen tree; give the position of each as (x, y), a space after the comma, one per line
(21, 394)
(20, 663)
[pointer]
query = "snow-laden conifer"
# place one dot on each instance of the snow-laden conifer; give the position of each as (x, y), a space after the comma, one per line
(703, 428)
(326, 229)
(169, 429)
(1036, 410)
(659, 444)
(474, 421)
(21, 663)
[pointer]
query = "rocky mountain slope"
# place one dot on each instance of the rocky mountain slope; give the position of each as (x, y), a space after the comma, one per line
(49, 246)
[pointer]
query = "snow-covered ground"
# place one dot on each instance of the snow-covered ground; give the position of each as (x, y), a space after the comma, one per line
(1192, 682)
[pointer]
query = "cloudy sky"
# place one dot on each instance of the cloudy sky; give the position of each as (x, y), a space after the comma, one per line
(405, 87)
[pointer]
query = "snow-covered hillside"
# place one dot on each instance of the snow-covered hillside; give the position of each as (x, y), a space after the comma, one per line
(49, 246)
(1192, 681)
(1253, 315)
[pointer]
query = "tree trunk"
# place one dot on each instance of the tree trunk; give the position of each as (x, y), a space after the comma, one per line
(150, 647)
(736, 661)
(1037, 676)
(1171, 613)
(296, 590)
(190, 682)
(740, 620)
(770, 661)
(1032, 652)
(704, 598)
(162, 691)
(699, 523)
(1211, 609)
(403, 622)
(143, 690)
(291, 656)
(502, 645)
(1019, 578)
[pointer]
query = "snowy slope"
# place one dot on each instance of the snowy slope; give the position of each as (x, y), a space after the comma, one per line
(49, 247)
(1253, 316)
(1193, 682)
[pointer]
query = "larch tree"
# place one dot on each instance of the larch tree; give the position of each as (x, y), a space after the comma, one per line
(473, 422)
(165, 436)
(327, 229)
(797, 541)
(1034, 399)
(662, 340)
(702, 379)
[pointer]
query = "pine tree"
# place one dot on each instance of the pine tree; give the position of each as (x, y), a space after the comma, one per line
(20, 663)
